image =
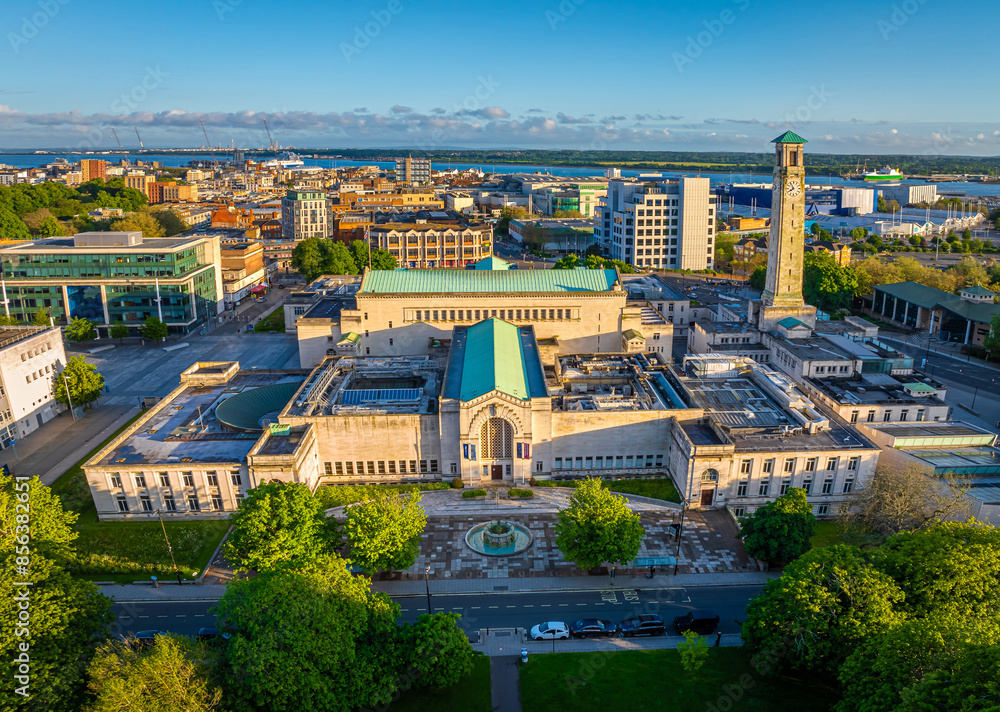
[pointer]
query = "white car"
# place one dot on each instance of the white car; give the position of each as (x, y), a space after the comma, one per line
(556, 630)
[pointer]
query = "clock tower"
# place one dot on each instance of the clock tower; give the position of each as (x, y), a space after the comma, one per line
(782, 296)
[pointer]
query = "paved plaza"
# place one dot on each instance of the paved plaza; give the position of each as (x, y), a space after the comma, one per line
(709, 542)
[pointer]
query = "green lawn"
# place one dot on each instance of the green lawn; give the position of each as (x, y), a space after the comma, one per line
(275, 321)
(830, 532)
(654, 680)
(472, 694)
(130, 551)
(656, 489)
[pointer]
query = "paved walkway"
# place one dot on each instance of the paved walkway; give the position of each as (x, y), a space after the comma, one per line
(62, 442)
(505, 683)
(211, 591)
(500, 642)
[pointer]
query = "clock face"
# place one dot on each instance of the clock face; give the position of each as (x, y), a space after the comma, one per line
(793, 188)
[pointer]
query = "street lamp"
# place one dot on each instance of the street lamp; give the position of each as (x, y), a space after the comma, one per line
(68, 399)
(427, 585)
(680, 530)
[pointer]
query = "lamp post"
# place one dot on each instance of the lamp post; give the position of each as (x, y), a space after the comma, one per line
(169, 548)
(680, 530)
(68, 399)
(427, 585)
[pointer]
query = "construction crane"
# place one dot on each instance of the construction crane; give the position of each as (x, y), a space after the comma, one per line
(122, 148)
(141, 147)
(271, 145)
(207, 142)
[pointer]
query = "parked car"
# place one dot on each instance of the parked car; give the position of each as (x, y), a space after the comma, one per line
(592, 627)
(702, 622)
(142, 639)
(548, 631)
(642, 624)
(205, 634)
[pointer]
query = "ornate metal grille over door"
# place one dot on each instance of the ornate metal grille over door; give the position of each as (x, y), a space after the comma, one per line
(496, 440)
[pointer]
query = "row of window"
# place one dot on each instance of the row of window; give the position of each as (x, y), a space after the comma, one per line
(601, 462)
(811, 463)
(187, 478)
(476, 315)
(31, 353)
(831, 369)
(819, 509)
(380, 467)
(170, 504)
(904, 415)
(35, 375)
(764, 487)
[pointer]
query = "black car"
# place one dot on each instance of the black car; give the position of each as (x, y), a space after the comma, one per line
(592, 627)
(207, 634)
(144, 638)
(703, 622)
(642, 624)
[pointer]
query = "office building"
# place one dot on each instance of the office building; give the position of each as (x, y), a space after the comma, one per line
(30, 358)
(413, 171)
(658, 225)
(91, 169)
(423, 243)
(305, 213)
(243, 270)
(139, 181)
(115, 276)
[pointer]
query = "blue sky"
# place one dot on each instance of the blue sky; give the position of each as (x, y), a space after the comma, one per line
(910, 76)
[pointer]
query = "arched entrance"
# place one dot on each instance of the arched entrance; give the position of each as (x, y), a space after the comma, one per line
(496, 445)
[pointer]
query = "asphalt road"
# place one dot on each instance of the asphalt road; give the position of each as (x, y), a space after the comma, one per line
(952, 370)
(500, 610)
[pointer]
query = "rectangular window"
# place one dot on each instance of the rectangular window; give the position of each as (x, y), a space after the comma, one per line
(169, 504)
(904, 415)
(589, 463)
(738, 511)
(871, 416)
(920, 416)
(454, 468)
(147, 506)
(188, 478)
(371, 467)
(811, 464)
(831, 464)
(193, 503)
(213, 479)
(741, 489)
(854, 417)
(827, 486)
(848, 486)
(339, 467)
(235, 478)
(392, 467)
(217, 503)
(360, 467)
(765, 487)
(538, 466)
(769, 466)
(887, 416)
(116, 481)
(790, 464)
(822, 509)
(558, 464)
(434, 465)
(745, 466)
(413, 467)
(350, 467)
(402, 467)
(807, 486)
(852, 464)
(579, 463)
(122, 504)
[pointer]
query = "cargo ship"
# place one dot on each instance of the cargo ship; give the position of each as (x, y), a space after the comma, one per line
(883, 175)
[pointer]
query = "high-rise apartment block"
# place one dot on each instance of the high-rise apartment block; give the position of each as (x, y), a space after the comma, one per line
(305, 213)
(92, 169)
(658, 225)
(412, 171)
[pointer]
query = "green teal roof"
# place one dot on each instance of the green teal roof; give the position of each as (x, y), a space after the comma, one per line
(244, 410)
(920, 387)
(631, 334)
(493, 361)
(790, 322)
(492, 263)
(487, 281)
(789, 137)
(349, 338)
(978, 291)
(931, 298)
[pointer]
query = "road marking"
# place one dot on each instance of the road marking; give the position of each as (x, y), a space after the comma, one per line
(459, 608)
(526, 605)
(124, 618)
(508, 606)
(404, 610)
(546, 605)
(566, 604)
(161, 616)
(476, 608)
(581, 604)
(199, 615)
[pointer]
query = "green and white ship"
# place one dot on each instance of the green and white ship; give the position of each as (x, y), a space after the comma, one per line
(883, 175)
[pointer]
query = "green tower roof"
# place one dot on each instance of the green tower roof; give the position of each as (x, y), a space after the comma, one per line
(789, 137)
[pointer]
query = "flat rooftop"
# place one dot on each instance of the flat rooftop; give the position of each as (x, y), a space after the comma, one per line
(487, 281)
(726, 327)
(148, 244)
(329, 307)
(613, 382)
(366, 386)
(186, 430)
(10, 335)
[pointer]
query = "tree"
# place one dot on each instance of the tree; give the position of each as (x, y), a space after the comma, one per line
(42, 317)
(85, 383)
(12, 227)
(154, 329)
(175, 674)
(693, 651)
(314, 257)
(724, 245)
(170, 222)
(276, 522)
(439, 651)
(334, 641)
(906, 498)
(119, 330)
(780, 530)
(827, 284)
(383, 259)
(825, 603)
(758, 278)
(50, 227)
(991, 343)
(969, 684)
(952, 566)
(68, 618)
(7, 320)
(899, 663)
(508, 213)
(380, 259)
(384, 531)
(52, 527)
(80, 329)
(139, 222)
(567, 262)
(598, 527)
(880, 205)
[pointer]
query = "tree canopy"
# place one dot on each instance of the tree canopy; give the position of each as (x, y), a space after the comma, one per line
(826, 284)
(780, 530)
(80, 329)
(275, 523)
(598, 527)
(315, 256)
(154, 329)
(84, 381)
(380, 259)
(384, 531)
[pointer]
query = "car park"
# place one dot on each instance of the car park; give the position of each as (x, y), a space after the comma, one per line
(642, 624)
(552, 630)
(699, 621)
(592, 628)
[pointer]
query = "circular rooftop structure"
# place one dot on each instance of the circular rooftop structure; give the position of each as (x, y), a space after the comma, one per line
(245, 411)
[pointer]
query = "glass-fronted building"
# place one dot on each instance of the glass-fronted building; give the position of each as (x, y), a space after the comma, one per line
(109, 277)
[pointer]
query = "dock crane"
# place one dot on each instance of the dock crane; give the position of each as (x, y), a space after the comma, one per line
(141, 147)
(207, 142)
(122, 148)
(271, 145)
